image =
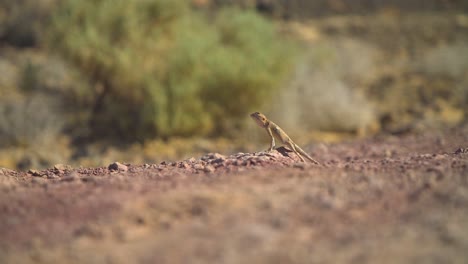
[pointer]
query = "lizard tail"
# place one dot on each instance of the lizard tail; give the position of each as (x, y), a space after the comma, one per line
(306, 155)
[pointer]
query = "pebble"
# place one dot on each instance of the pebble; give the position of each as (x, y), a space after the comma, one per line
(35, 173)
(62, 167)
(117, 166)
(209, 168)
(213, 156)
(217, 161)
(198, 167)
(461, 151)
(5, 171)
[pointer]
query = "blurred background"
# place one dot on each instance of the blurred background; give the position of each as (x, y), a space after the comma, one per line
(87, 83)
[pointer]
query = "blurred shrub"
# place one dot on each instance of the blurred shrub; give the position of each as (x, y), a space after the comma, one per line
(36, 106)
(418, 79)
(450, 60)
(22, 21)
(324, 91)
(307, 8)
(429, 92)
(32, 121)
(158, 68)
(450, 64)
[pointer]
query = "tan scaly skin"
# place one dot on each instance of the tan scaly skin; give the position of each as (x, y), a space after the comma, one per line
(274, 131)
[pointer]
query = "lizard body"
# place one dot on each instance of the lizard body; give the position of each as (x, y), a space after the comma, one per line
(274, 131)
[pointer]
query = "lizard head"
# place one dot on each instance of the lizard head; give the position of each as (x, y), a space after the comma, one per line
(260, 119)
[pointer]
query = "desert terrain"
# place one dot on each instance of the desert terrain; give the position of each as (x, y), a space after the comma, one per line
(386, 199)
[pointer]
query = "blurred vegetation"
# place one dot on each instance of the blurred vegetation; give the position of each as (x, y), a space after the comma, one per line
(159, 69)
(89, 83)
(301, 9)
(322, 93)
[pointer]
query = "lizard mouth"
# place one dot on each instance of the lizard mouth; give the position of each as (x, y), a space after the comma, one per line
(259, 122)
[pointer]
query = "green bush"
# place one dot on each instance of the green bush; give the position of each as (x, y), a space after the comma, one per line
(159, 68)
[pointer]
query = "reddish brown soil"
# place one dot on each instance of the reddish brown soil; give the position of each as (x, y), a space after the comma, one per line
(382, 200)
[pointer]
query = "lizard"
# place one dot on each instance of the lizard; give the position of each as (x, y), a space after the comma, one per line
(274, 131)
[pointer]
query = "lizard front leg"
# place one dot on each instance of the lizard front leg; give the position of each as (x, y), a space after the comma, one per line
(272, 143)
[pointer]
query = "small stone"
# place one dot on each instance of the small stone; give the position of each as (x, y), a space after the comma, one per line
(209, 168)
(35, 173)
(218, 160)
(461, 151)
(62, 167)
(217, 165)
(218, 156)
(211, 156)
(5, 171)
(263, 159)
(198, 166)
(183, 165)
(117, 166)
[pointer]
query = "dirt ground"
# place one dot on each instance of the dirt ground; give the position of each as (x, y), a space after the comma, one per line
(382, 200)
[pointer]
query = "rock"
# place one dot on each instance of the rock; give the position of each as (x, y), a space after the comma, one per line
(5, 171)
(198, 167)
(35, 173)
(184, 165)
(263, 159)
(117, 166)
(62, 167)
(209, 168)
(218, 160)
(212, 156)
(461, 151)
